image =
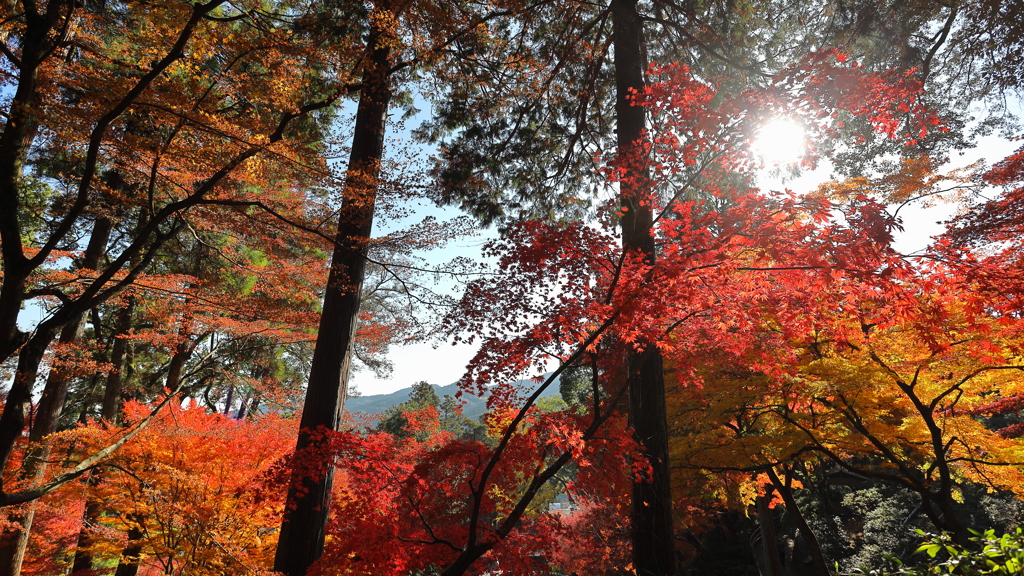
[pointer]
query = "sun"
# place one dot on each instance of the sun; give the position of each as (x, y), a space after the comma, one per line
(780, 142)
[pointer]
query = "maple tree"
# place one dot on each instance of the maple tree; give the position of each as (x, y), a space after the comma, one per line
(889, 388)
(194, 173)
(610, 301)
(187, 491)
(479, 163)
(206, 323)
(230, 287)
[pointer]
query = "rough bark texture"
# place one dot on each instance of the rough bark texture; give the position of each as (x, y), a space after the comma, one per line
(13, 543)
(652, 499)
(302, 531)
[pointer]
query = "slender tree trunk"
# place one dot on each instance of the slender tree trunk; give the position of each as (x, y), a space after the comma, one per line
(110, 412)
(47, 417)
(813, 547)
(113, 398)
(653, 553)
(301, 540)
(229, 401)
(769, 541)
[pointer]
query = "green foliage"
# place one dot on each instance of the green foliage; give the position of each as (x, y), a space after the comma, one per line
(990, 554)
(551, 404)
(36, 196)
(878, 520)
(858, 526)
(395, 420)
(574, 385)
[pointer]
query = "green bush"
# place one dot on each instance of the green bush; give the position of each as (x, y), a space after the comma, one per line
(991, 555)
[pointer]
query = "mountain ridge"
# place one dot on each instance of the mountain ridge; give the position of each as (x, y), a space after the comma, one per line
(473, 408)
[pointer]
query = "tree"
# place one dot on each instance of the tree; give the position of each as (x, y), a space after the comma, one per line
(393, 31)
(188, 490)
(759, 251)
(886, 390)
(394, 420)
(125, 130)
(480, 161)
(165, 113)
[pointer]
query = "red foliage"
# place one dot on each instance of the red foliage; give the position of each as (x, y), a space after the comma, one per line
(726, 266)
(401, 504)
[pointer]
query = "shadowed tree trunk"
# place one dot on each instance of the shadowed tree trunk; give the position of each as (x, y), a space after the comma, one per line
(301, 542)
(13, 543)
(130, 557)
(770, 564)
(113, 396)
(651, 527)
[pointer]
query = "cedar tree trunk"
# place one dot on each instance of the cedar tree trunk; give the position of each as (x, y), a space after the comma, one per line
(302, 530)
(652, 497)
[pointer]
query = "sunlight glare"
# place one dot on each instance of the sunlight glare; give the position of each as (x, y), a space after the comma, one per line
(780, 142)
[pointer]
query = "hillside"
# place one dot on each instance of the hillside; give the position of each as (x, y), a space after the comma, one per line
(474, 407)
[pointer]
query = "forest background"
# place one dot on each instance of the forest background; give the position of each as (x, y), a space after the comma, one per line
(750, 380)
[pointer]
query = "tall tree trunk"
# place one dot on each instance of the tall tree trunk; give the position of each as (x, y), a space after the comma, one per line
(110, 412)
(13, 543)
(18, 134)
(301, 540)
(113, 397)
(653, 553)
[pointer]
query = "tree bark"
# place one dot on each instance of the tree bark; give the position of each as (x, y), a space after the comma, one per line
(113, 398)
(301, 541)
(13, 543)
(19, 132)
(769, 541)
(129, 564)
(813, 547)
(652, 535)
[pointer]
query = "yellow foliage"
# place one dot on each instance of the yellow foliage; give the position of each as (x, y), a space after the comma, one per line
(897, 398)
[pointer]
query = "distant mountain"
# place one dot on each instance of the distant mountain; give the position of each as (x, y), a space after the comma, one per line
(474, 407)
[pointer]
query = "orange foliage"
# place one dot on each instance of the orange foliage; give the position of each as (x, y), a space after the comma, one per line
(194, 480)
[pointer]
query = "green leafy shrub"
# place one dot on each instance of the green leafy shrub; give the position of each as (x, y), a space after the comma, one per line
(991, 554)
